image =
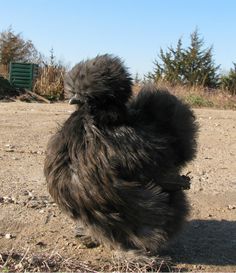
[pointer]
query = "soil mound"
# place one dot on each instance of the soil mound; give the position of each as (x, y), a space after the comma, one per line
(7, 91)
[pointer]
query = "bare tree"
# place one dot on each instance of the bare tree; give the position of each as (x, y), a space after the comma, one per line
(13, 47)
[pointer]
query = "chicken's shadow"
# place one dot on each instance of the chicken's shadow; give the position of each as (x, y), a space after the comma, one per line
(207, 242)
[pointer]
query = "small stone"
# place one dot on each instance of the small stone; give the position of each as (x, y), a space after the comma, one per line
(19, 266)
(41, 244)
(9, 150)
(230, 207)
(32, 204)
(25, 192)
(16, 256)
(8, 200)
(41, 211)
(8, 236)
(32, 198)
(36, 260)
(10, 146)
(29, 193)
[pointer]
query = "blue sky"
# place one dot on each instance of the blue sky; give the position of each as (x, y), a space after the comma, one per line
(133, 29)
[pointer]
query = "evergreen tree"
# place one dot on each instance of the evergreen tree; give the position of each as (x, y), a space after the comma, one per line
(137, 79)
(172, 64)
(199, 67)
(228, 82)
(191, 66)
(52, 57)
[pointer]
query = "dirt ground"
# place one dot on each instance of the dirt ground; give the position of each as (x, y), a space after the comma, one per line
(31, 223)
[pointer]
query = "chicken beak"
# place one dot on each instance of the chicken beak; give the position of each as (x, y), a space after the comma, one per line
(74, 100)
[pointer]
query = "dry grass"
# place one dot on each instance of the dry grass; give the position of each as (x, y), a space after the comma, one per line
(25, 262)
(50, 82)
(4, 70)
(199, 97)
(139, 264)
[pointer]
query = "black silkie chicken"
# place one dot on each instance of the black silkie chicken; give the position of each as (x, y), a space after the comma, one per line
(114, 166)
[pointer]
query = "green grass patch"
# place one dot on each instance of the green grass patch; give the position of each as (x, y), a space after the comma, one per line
(196, 100)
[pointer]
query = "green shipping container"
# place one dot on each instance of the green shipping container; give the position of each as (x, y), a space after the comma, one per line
(23, 75)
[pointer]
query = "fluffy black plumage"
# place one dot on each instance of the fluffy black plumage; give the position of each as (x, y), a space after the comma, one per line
(114, 165)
